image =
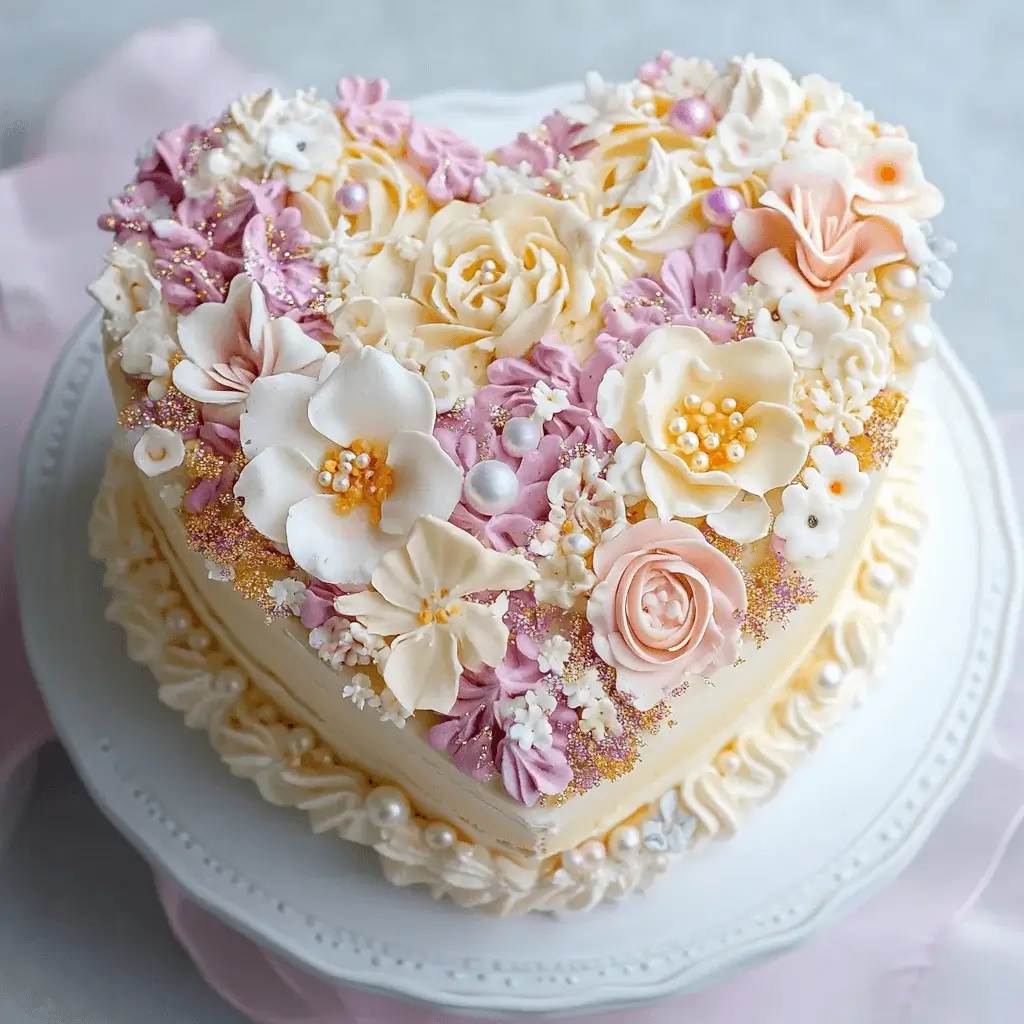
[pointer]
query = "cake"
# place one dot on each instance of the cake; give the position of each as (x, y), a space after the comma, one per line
(528, 515)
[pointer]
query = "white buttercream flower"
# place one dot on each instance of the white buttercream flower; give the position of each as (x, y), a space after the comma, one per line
(834, 120)
(553, 653)
(342, 642)
(804, 326)
(393, 710)
(361, 692)
(126, 288)
(408, 248)
(810, 522)
(625, 473)
(589, 504)
(548, 401)
(670, 828)
(750, 299)
(715, 419)
(741, 146)
(662, 200)
(446, 374)
(840, 408)
(531, 727)
(159, 450)
(601, 719)
(859, 354)
(219, 573)
(149, 346)
(606, 106)
(839, 475)
(859, 294)
(288, 594)
(418, 597)
(340, 470)
(229, 345)
(584, 690)
(687, 76)
(563, 578)
(759, 88)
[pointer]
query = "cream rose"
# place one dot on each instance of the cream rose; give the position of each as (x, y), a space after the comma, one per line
(716, 422)
(513, 269)
(761, 89)
(667, 605)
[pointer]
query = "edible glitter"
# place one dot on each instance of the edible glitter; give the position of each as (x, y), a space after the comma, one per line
(775, 590)
(201, 462)
(876, 446)
(174, 411)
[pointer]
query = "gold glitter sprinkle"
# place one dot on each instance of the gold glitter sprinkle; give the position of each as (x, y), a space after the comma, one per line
(201, 463)
(875, 447)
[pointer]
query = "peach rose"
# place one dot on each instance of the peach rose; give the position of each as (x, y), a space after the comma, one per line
(667, 605)
(805, 235)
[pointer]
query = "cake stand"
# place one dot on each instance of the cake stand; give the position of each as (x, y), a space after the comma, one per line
(844, 824)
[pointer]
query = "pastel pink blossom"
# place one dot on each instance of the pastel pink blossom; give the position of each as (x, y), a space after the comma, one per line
(541, 151)
(228, 346)
(205, 492)
(449, 162)
(273, 253)
(805, 234)
(318, 602)
(667, 605)
(651, 72)
(369, 115)
(133, 211)
(174, 157)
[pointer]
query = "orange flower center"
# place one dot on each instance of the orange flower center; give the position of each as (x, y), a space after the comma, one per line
(887, 173)
(437, 608)
(357, 475)
(709, 435)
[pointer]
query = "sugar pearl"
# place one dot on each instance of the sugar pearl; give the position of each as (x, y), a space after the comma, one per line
(572, 861)
(707, 408)
(691, 403)
(520, 435)
(692, 116)
(231, 680)
(898, 281)
(892, 312)
(700, 462)
(678, 425)
(727, 405)
(387, 807)
(488, 266)
(730, 763)
(577, 543)
(736, 420)
(624, 842)
(362, 461)
(711, 442)
(177, 621)
(491, 487)
(721, 205)
(735, 452)
(340, 484)
(352, 197)
(917, 342)
(593, 853)
(439, 837)
(325, 479)
(689, 442)
(198, 639)
(830, 675)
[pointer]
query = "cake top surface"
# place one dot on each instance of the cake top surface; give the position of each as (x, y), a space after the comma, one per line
(525, 442)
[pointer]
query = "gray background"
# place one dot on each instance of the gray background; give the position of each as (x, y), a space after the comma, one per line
(81, 936)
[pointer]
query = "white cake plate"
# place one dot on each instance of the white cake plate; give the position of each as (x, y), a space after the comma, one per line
(842, 826)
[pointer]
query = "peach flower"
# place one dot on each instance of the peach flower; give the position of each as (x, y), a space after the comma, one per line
(667, 605)
(806, 235)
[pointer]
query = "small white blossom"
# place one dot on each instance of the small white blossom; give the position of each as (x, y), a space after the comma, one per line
(549, 401)
(601, 719)
(810, 523)
(563, 578)
(606, 105)
(750, 299)
(625, 472)
(840, 408)
(341, 642)
(860, 295)
(360, 692)
(288, 594)
(448, 379)
(408, 248)
(579, 495)
(584, 690)
(530, 726)
(553, 654)
(218, 572)
(839, 475)
(392, 709)
(172, 495)
(670, 828)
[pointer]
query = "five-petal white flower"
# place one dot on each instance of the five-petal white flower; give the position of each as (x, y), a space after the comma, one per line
(418, 597)
(341, 470)
(810, 522)
(839, 475)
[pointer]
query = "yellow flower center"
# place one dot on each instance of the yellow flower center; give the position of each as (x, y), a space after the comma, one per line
(357, 475)
(709, 435)
(437, 608)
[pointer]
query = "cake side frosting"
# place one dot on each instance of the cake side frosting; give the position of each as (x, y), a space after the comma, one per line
(530, 449)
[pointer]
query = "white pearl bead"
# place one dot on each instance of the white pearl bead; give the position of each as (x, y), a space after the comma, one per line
(340, 484)
(593, 853)
(736, 420)
(521, 435)
(700, 462)
(691, 403)
(678, 425)
(917, 342)
(322, 756)
(491, 487)
(325, 479)
(387, 807)
(898, 281)
(572, 860)
(488, 266)
(488, 278)
(198, 639)
(689, 442)
(301, 741)
(177, 620)
(711, 442)
(625, 842)
(727, 405)
(830, 675)
(439, 837)
(577, 543)
(231, 680)
(362, 461)
(892, 312)
(735, 452)
(708, 408)
(730, 763)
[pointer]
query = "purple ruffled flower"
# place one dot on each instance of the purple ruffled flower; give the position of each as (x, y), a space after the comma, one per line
(527, 775)
(541, 152)
(133, 212)
(273, 249)
(174, 157)
(449, 162)
(369, 115)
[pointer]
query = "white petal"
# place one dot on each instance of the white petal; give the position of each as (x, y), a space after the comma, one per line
(158, 451)
(269, 485)
(192, 380)
(276, 413)
(483, 637)
(426, 482)
(423, 670)
(609, 397)
(747, 518)
(296, 350)
(371, 396)
(376, 614)
(207, 334)
(342, 549)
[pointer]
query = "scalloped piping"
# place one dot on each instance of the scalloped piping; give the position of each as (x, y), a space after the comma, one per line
(292, 769)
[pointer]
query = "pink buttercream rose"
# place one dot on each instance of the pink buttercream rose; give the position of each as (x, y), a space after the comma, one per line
(667, 605)
(805, 233)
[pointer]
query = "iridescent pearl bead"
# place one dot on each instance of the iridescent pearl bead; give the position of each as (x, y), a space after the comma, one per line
(691, 403)
(707, 408)
(735, 452)
(692, 116)
(488, 277)
(521, 435)
(730, 763)
(892, 312)
(917, 341)
(577, 543)
(488, 266)
(491, 487)
(230, 680)
(721, 205)
(198, 639)
(830, 675)
(322, 757)
(711, 442)
(736, 420)
(624, 842)
(177, 621)
(362, 461)
(593, 853)
(727, 405)
(352, 197)
(700, 462)
(325, 479)
(898, 281)
(689, 442)
(572, 861)
(387, 807)
(678, 425)
(340, 484)
(439, 837)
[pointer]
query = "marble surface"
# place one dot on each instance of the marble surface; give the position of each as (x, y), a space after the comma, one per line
(82, 939)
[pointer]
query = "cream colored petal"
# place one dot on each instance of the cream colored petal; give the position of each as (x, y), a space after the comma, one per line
(482, 636)
(208, 334)
(371, 396)
(423, 669)
(276, 413)
(610, 405)
(295, 349)
(426, 482)
(679, 493)
(755, 370)
(665, 384)
(376, 613)
(271, 484)
(745, 519)
(779, 452)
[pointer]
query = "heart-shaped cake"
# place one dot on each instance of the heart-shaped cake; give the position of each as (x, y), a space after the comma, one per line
(525, 515)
